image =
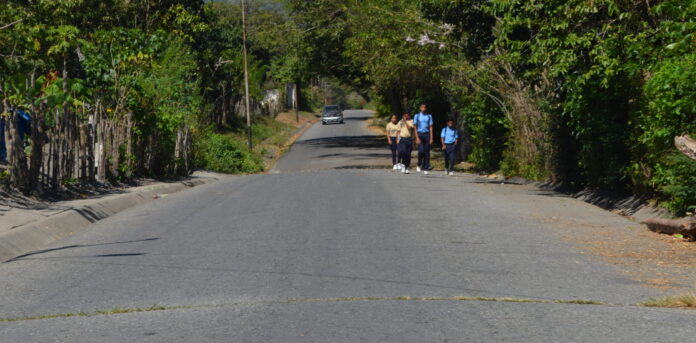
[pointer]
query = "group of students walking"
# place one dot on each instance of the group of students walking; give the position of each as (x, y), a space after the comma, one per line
(401, 135)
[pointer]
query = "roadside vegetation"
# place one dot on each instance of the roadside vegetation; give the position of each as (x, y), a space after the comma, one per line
(110, 91)
(588, 94)
(679, 301)
(225, 151)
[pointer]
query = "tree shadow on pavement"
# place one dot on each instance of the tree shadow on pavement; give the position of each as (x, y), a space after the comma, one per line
(357, 142)
(361, 118)
(363, 166)
(43, 251)
(606, 199)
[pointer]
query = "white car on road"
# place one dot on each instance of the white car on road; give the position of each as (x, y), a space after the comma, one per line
(332, 114)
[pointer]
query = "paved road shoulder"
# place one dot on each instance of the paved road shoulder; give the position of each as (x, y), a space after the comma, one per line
(23, 231)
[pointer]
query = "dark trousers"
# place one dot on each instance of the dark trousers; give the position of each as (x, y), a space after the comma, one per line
(424, 151)
(396, 158)
(405, 149)
(450, 156)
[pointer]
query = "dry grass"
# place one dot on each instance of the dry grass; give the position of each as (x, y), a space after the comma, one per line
(377, 125)
(290, 119)
(579, 302)
(275, 146)
(655, 260)
(687, 300)
(455, 298)
(112, 311)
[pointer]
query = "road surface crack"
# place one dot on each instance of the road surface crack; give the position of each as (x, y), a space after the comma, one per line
(157, 308)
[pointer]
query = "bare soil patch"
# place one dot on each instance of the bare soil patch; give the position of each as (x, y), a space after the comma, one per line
(655, 260)
(290, 118)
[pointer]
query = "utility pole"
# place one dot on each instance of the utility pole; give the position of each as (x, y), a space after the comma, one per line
(246, 74)
(327, 94)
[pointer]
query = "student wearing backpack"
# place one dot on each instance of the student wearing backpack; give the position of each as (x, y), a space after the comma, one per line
(424, 138)
(450, 138)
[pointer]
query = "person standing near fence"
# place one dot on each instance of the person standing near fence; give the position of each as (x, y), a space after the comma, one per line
(450, 138)
(393, 140)
(406, 134)
(424, 127)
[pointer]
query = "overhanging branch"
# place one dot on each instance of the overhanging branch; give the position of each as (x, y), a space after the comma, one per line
(12, 23)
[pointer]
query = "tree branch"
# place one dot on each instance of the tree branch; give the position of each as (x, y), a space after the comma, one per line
(12, 23)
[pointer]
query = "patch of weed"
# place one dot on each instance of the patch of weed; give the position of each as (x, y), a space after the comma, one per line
(687, 300)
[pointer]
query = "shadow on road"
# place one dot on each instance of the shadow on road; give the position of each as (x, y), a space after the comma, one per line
(362, 166)
(364, 118)
(357, 142)
(39, 252)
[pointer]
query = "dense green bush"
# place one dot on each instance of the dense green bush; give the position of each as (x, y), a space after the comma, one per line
(597, 118)
(311, 99)
(4, 177)
(221, 153)
(675, 177)
(354, 101)
(488, 128)
(670, 111)
(264, 127)
(596, 91)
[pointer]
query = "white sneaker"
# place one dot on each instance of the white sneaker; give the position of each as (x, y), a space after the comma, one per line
(425, 172)
(451, 173)
(406, 171)
(418, 169)
(396, 167)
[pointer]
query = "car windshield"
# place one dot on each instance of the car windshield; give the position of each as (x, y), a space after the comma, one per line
(328, 109)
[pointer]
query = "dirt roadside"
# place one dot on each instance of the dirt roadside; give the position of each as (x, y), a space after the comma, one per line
(275, 147)
(656, 260)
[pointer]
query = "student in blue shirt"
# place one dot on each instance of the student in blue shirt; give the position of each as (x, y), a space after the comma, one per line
(450, 138)
(423, 123)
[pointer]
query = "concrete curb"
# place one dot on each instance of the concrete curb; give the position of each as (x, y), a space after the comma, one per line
(35, 236)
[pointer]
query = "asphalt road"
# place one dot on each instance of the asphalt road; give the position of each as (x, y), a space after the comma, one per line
(326, 248)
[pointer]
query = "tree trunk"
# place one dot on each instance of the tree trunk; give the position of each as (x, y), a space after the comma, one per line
(101, 144)
(50, 161)
(66, 138)
(90, 148)
(182, 151)
(56, 151)
(37, 142)
(14, 146)
(396, 102)
(296, 101)
(37, 148)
